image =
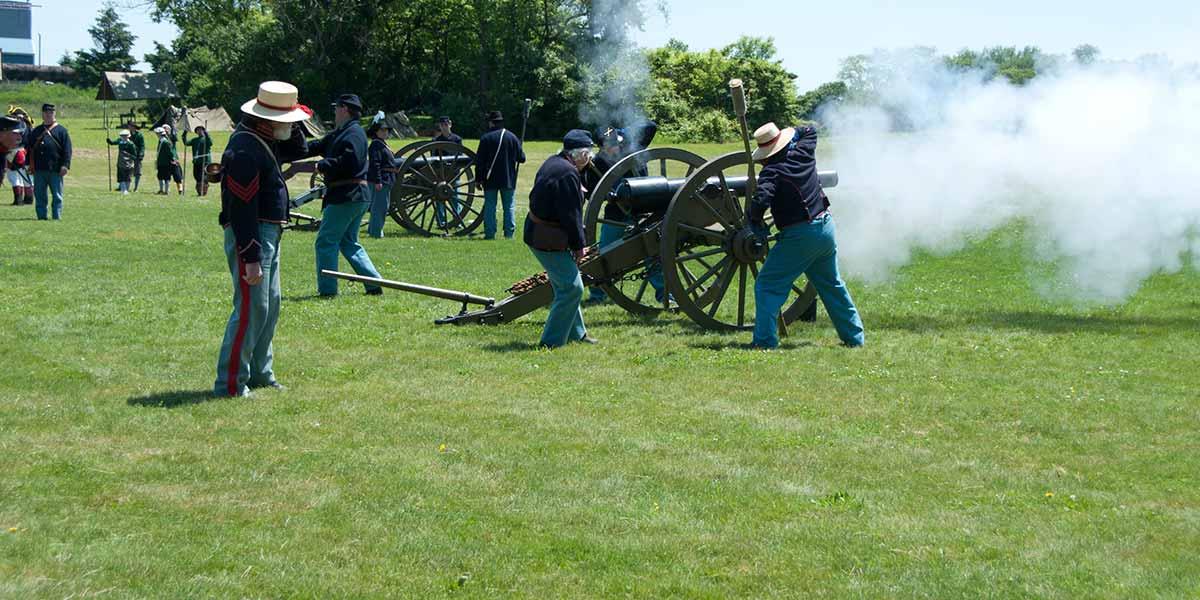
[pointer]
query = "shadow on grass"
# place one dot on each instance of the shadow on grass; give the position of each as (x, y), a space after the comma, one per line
(513, 346)
(174, 399)
(735, 344)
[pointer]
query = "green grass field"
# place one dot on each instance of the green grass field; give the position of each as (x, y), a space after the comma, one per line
(986, 443)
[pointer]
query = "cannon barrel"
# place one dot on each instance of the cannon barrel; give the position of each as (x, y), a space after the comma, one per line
(653, 194)
(455, 161)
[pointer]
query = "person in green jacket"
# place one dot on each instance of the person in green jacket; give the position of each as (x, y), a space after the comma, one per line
(139, 142)
(165, 162)
(201, 146)
(126, 158)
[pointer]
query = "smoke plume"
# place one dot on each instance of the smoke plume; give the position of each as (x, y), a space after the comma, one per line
(616, 76)
(1102, 161)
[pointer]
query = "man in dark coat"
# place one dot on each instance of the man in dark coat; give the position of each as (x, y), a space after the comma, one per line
(50, 152)
(139, 142)
(615, 145)
(254, 208)
(344, 165)
(444, 133)
(554, 233)
(201, 146)
(496, 163)
(789, 187)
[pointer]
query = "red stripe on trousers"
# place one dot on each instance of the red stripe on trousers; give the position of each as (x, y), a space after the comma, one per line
(235, 353)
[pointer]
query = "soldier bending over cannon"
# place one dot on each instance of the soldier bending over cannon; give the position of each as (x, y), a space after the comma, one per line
(789, 186)
(554, 232)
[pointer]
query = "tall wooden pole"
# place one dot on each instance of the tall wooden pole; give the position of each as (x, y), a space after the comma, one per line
(107, 145)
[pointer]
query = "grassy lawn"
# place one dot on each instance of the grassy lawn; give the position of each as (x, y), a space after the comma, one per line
(987, 442)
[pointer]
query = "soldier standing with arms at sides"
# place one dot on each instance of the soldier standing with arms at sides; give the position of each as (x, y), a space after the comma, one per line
(165, 161)
(201, 146)
(254, 208)
(496, 163)
(50, 155)
(139, 142)
(381, 175)
(554, 233)
(344, 165)
(788, 185)
(126, 156)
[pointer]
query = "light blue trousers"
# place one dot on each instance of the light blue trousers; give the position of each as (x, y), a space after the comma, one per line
(611, 234)
(381, 201)
(809, 249)
(43, 182)
(489, 213)
(339, 232)
(246, 358)
(565, 322)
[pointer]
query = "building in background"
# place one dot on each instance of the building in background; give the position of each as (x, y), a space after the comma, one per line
(16, 32)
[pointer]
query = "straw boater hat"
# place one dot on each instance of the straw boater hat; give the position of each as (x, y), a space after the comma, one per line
(123, 133)
(771, 140)
(277, 101)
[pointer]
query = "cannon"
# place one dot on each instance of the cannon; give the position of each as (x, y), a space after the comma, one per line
(682, 227)
(691, 228)
(435, 193)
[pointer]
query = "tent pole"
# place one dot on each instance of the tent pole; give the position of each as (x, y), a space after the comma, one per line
(107, 146)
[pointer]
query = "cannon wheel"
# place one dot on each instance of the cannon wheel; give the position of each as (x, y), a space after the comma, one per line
(396, 200)
(631, 291)
(422, 192)
(710, 259)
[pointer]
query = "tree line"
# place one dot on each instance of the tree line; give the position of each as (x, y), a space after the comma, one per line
(575, 58)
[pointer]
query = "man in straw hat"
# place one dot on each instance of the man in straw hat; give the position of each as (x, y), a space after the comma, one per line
(788, 185)
(344, 165)
(254, 208)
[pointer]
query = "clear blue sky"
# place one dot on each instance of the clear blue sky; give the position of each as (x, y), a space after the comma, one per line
(813, 36)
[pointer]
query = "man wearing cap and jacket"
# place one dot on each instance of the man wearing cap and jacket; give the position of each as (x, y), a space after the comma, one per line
(554, 233)
(444, 134)
(50, 154)
(788, 185)
(254, 208)
(344, 164)
(496, 163)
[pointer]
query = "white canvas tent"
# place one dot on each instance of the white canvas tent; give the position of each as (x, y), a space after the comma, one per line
(212, 119)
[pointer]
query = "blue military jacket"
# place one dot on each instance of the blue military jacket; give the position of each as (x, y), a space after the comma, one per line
(557, 197)
(788, 184)
(382, 163)
(499, 152)
(345, 162)
(51, 150)
(252, 186)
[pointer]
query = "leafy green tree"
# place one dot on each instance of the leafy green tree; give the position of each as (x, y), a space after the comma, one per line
(112, 46)
(827, 94)
(1085, 54)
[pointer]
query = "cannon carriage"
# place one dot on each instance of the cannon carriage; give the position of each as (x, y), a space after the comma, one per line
(436, 193)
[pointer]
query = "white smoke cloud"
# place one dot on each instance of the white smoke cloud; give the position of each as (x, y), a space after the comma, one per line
(616, 74)
(1103, 162)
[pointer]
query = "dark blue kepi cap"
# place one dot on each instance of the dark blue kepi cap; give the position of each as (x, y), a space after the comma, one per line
(577, 138)
(8, 124)
(349, 100)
